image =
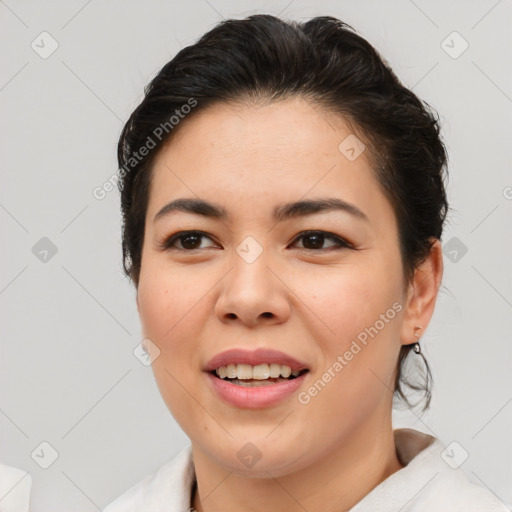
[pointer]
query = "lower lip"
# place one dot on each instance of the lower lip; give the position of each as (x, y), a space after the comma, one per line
(255, 397)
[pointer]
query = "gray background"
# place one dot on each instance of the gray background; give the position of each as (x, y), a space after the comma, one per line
(68, 374)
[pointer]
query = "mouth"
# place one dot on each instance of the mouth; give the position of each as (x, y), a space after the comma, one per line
(265, 374)
(255, 379)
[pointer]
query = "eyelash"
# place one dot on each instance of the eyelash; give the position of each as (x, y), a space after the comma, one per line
(167, 243)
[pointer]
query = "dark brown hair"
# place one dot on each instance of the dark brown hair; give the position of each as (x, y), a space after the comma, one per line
(323, 60)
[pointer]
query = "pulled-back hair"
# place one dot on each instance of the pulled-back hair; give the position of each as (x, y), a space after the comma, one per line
(263, 59)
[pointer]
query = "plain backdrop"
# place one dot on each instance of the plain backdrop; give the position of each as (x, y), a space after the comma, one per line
(72, 72)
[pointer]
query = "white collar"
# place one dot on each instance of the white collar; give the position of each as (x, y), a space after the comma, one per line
(426, 483)
(15, 487)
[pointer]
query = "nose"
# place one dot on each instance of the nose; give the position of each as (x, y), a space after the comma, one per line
(252, 294)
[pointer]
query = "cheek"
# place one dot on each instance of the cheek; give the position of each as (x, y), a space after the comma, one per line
(357, 312)
(169, 310)
(167, 301)
(173, 310)
(345, 300)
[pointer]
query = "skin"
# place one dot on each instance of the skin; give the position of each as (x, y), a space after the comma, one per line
(308, 302)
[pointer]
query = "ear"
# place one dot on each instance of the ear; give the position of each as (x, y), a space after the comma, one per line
(422, 295)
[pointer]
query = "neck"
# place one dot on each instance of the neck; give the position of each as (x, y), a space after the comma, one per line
(336, 481)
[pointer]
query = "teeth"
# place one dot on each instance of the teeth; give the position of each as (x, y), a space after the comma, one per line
(259, 372)
(230, 371)
(286, 371)
(275, 370)
(244, 371)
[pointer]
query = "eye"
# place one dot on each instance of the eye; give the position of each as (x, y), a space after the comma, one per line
(190, 240)
(315, 239)
(312, 240)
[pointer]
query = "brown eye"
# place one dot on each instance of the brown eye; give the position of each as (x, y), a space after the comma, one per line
(314, 240)
(189, 241)
(311, 241)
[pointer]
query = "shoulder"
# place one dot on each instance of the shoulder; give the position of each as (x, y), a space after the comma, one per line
(430, 480)
(438, 479)
(15, 488)
(455, 492)
(167, 489)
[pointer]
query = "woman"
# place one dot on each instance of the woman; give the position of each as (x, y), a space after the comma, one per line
(283, 203)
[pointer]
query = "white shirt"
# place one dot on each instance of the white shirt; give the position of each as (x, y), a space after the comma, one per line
(427, 483)
(15, 488)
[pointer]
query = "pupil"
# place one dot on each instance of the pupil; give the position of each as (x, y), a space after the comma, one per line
(317, 240)
(187, 244)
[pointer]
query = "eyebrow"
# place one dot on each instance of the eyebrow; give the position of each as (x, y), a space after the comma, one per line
(283, 211)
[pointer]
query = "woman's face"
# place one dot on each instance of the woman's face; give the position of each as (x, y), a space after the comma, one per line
(255, 282)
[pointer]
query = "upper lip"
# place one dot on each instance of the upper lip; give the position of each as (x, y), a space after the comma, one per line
(254, 358)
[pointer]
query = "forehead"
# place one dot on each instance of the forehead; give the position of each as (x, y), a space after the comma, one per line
(277, 127)
(260, 154)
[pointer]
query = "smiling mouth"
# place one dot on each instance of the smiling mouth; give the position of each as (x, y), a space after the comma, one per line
(246, 375)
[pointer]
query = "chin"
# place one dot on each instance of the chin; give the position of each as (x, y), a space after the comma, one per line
(259, 459)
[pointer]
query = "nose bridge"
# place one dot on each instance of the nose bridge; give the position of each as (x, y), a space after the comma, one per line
(251, 291)
(250, 276)
(251, 263)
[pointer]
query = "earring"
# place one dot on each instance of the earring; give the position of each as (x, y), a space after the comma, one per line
(416, 347)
